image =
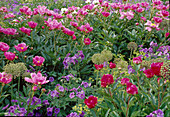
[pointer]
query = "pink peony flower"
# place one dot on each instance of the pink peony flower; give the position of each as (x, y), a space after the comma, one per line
(165, 13)
(37, 79)
(112, 65)
(26, 30)
(38, 60)
(4, 47)
(68, 32)
(124, 81)
(149, 73)
(167, 34)
(137, 60)
(21, 47)
(87, 41)
(91, 101)
(9, 55)
(105, 14)
(5, 78)
(157, 19)
(106, 80)
(132, 89)
(156, 68)
(32, 24)
(140, 10)
(98, 67)
(143, 18)
(74, 37)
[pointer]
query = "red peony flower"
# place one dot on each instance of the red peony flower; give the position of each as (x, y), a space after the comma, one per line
(98, 67)
(112, 65)
(156, 68)
(149, 73)
(106, 80)
(9, 55)
(87, 41)
(91, 101)
(124, 81)
(137, 60)
(132, 89)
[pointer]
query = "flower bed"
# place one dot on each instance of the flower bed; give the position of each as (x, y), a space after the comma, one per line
(100, 58)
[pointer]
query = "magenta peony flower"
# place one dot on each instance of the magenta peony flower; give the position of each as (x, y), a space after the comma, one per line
(98, 67)
(132, 89)
(91, 101)
(112, 65)
(9, 55)
(32, 24)
(105, 14)
(149, 73)
(38, 60)
(124, 81)
(87, 41)
(26, 30)
(137, 60)
(5, 78)
(156, 68)
(106, 80)
(21, 47)
(37, 79)
(4, 47)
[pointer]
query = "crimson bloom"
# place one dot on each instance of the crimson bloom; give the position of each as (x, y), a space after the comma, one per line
(32, 24)
(87, 41)
(149, 73)
(124, 81)
(156, 68)
(91, 101)
(21, 47)
(112, 65)
(5, 78)
(105, 14)
(9, 55)
(98, 67)
(4, 47)
(137, 60)
(38, 60)
(106, 80)
(37, 79)
(132, 89)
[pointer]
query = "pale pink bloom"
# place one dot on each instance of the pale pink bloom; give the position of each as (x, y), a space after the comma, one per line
(37, 79)
(159, 14)
(3, 9)
(9, 55)
(57, 16)
(9, 15)
(53, 24)
(129, 15)
(32, 24)
(42, 9)
(5, 78)
(4, 47)
(26, 30)
(38, 60)
(148, 28)
(21, 47)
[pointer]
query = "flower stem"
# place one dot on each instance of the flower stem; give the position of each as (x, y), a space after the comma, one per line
(1, 89)
(158, 96)
(127, 107)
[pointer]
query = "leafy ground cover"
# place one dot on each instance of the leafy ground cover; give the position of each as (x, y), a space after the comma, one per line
(84, 58)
